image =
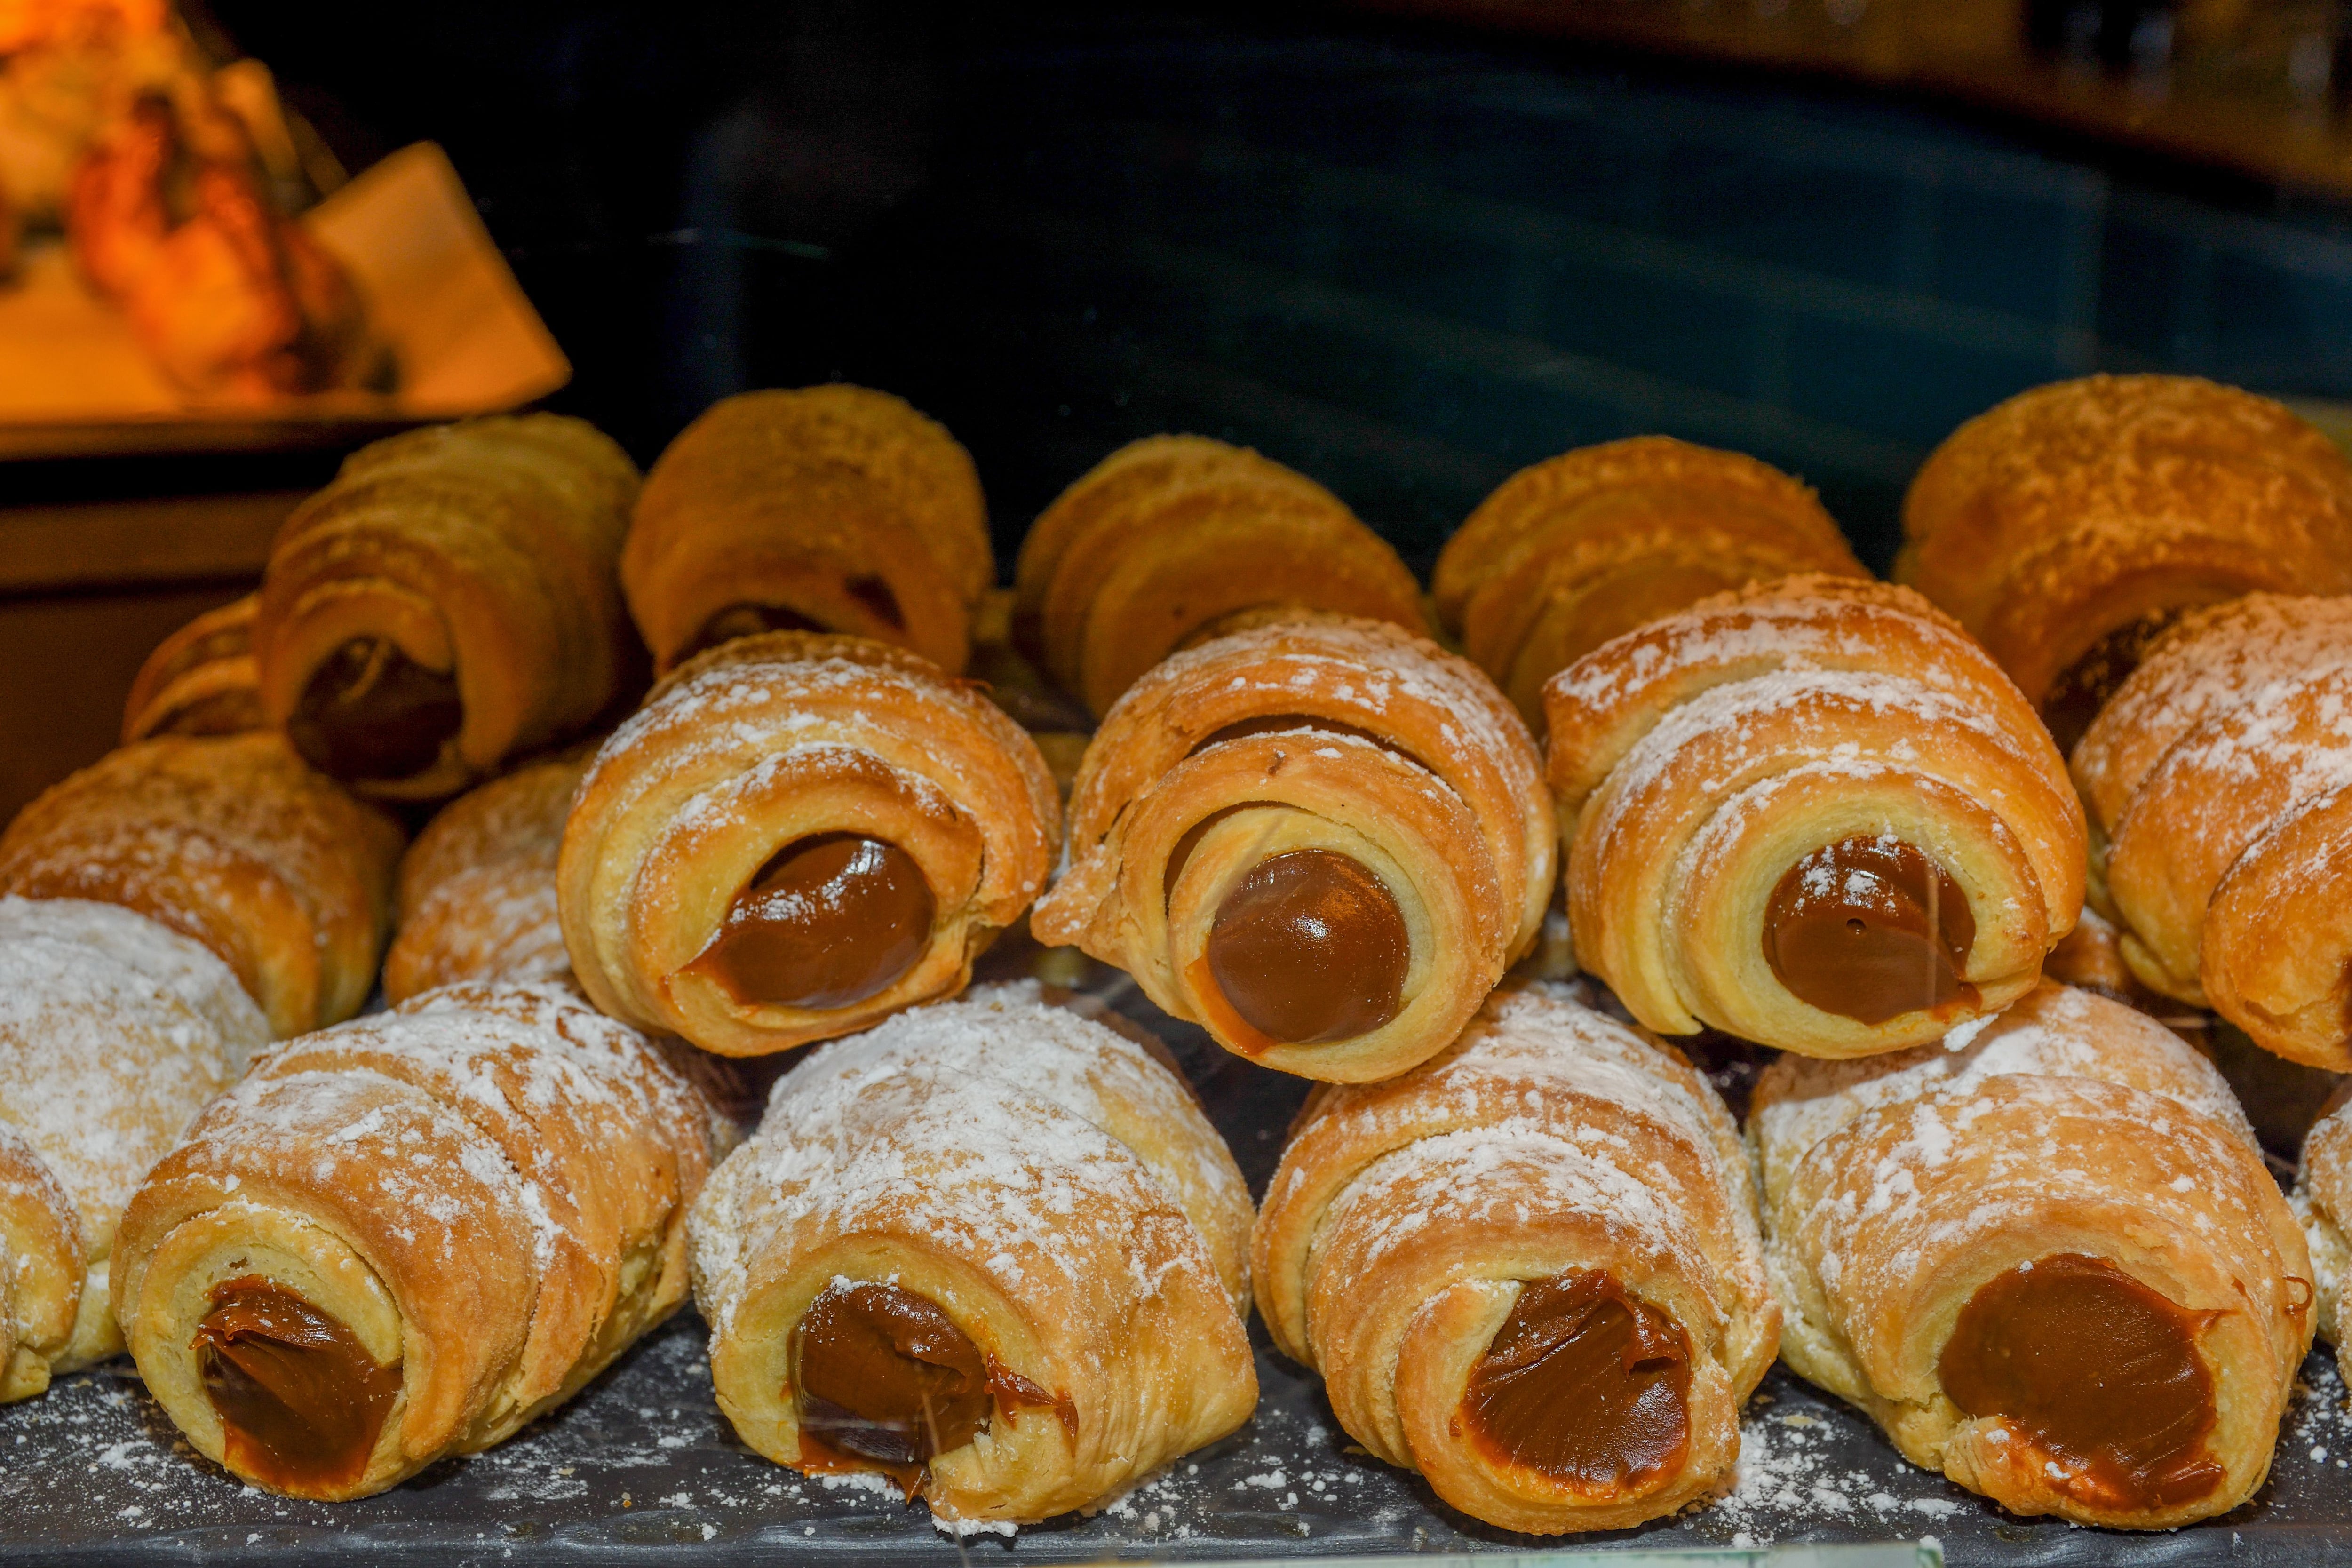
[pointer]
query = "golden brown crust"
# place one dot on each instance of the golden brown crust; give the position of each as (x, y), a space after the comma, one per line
(200, 680)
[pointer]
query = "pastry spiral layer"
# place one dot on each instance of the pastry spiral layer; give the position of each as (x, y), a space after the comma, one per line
(796, 835)
(1322, 840)
(992, 1249)
(408, 1236)
(2045, 1256)
(2323, 1200)
(200, 680)
(1813, 814)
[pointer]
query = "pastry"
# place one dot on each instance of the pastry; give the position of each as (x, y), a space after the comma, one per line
(991, 1249)
(2323, 1200)
(2045, 1256)
(2069, 525)
(1528, 1268)
(231, 841)
(408, 1236)
(114, 1032)
(1812, 814)
(796, 835)
(1591, 545)
(475, 898)
(449, 602)
(200, 680)
(2217, 781)
(1323, 840)
(830, 509)
(1159, 542)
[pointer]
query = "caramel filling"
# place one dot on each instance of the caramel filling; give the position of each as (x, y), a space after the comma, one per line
(830, 921)
(1310, 947)
(1586, 1383)
(301, 1401)
(371, 713)
(1870, 929)
(2095, 1370)
(2083, 688)
(742, 621)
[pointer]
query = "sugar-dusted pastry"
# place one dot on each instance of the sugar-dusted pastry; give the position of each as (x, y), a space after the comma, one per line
(1322, 840)
(795, 837)
(832, 508)
(1812, 814)
(2045, 1256)
(450, 602)
(476, 899)
(2069, 525)
(231, 841)
(2323, 1200)
(200, 680)
(1169, 536)
(114, 1032)
(2219, 780)
(408, 1236)
(1591, 545)
(1528, 1268)
(992, 1250)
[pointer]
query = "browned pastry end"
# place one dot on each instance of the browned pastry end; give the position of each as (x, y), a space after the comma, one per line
(200, 680)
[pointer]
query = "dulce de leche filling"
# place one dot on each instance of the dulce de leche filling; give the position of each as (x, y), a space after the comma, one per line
(301, 1401)
(370, 712)
(1309, 947)
(1586, 1383)
(2083, 688)
(2095, 1371)
(1870, 929)
(829, 921)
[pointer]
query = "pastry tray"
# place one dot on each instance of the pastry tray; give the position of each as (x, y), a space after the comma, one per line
(642, 1468)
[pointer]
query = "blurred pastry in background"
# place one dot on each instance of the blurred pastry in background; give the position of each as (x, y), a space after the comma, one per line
(200, 680)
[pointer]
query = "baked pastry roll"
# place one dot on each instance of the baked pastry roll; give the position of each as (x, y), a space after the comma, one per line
(200, 680)
(1812, 814)
(2069, 525)
(408, 1236)
(833, 509)
(797, 836)
(114, 1032)
(2323, 1202)
(477, 892)
(449, 601)
(1591, 545)
(2045, 1256)
(2216, 781)
(1169, 536)
(992, 1250)
(1323, 840)
(1528, 1268)
(231, 841)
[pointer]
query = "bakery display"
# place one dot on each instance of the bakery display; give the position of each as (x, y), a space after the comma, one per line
(200, 680)
(2045, 1256)
(1812, 814)
(796, 835)
(1589, 545)
(1168, 537)
(234, 842)
(991, 1249)
(1528, 1268)
(2069, 525)
(1322, 840)
(114, 1031)
(835, 509)
(449, 602)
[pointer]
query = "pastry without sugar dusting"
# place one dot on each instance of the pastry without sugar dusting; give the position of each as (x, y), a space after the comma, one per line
(200, 680)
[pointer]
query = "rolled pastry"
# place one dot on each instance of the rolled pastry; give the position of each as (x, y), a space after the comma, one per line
(2069, 525)
(2323, 1200)
(2219, 780)
(1812, 814)
(992, 1250)
(1169, 536)
(476, 890)
(408, 1236)
(1323, 840)
(831, 509)
(231, 841)
(2045, 1256)
(1591, 545)
(1528, 1268)
(114, 1032)
(449, 601)
(797, 836)
(200, 680)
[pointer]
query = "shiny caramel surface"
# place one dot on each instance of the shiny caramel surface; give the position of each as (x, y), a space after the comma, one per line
(1310, 947)
(829, 921)
(1870, 929)
(301, 1401)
